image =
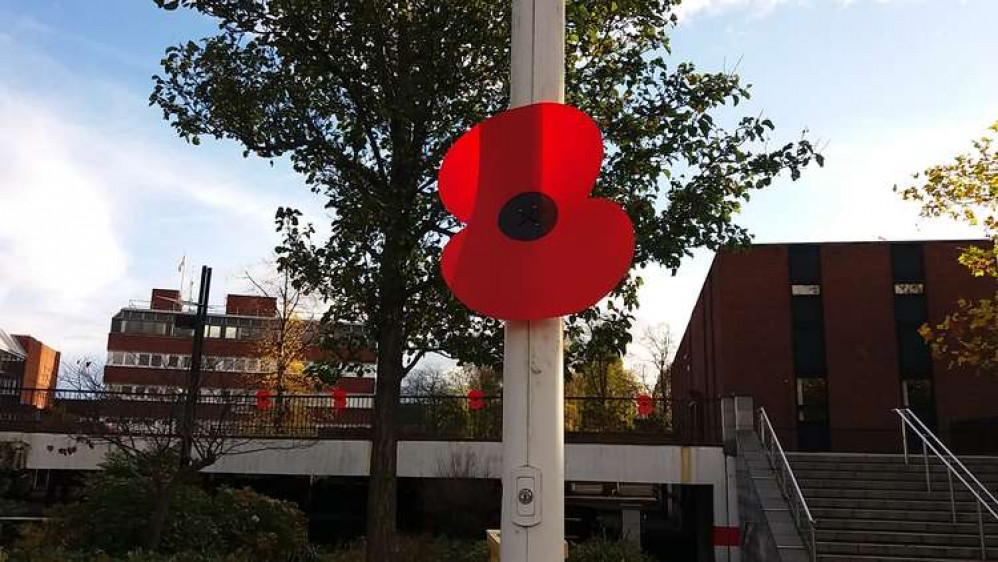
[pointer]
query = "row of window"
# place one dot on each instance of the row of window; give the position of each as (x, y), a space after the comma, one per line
(146, 392)
(153, 391)
(180, 361)
(812, 398)
(217, 327)
(161, 328)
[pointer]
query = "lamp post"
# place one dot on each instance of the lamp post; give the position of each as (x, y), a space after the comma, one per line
(195, 322)
(533, 460)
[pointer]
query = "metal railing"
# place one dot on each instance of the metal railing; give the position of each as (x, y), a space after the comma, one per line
(986, 501)
(801, 514)
(317, 416)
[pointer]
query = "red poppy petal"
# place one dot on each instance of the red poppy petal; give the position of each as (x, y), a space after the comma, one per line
(546, 147)
(570, 269)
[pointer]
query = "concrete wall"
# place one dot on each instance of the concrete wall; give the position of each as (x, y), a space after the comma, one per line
(417, 459)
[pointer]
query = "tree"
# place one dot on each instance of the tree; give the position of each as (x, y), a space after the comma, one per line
(657, 346)
(614, 389)
(284, 342)
(84, 374)
(363, 98)
(966, 189)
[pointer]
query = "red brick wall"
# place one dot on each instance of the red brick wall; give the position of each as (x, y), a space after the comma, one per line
(179, 378)
(251, 305)
(860, 345)
(753, 338)
(748, 348)
(960, 395)
(165, 299)
(41, 370)
(746, 296)
(166, 344)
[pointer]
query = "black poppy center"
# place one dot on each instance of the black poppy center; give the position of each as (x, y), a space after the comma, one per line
(528, 216)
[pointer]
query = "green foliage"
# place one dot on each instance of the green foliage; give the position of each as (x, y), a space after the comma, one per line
(966, 190)
(114, 518)
(364, 98)
(607, 379)
(604, 550)
(419, 549)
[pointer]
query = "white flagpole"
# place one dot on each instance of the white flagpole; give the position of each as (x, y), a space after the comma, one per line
(533, 502)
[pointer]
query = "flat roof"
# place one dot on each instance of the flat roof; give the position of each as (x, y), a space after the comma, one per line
(11, 345)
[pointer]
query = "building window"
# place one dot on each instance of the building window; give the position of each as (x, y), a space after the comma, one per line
(143, 360)
(230, 332)
(907, 263)
(916, 393)
(211, 331)
(239, 365)
(805, 264)
(812, 400)
(808, 335)
(156, 360)
(185, 362)
(173, 361)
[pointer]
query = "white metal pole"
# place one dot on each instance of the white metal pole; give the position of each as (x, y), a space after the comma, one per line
(533, 504)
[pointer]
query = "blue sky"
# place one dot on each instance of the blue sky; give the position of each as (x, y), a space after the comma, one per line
(99, 200)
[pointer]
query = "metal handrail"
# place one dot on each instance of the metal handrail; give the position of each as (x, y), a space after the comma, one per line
(785, 474)
(910, 420)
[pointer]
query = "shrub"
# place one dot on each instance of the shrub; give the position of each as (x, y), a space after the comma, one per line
(419, 549)
(114, 518)
(601, 549)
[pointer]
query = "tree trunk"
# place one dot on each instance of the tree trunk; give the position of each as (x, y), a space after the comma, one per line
(381, 494)
(159, 516)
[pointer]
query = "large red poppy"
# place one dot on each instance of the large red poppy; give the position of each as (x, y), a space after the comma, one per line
(535, 245)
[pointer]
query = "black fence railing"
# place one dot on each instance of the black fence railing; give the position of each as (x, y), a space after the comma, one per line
(326, 416)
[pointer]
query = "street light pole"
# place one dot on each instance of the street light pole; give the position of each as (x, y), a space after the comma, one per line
(196, 321)
(533, 460)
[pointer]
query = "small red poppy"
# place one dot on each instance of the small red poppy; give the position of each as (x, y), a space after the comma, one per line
(339, 399)
(535, 245)
(263, 399)
(646, 405)
(476, 400)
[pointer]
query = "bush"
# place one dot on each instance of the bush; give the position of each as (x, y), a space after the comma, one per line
(419, 549)
(114, 517)
(601, 549)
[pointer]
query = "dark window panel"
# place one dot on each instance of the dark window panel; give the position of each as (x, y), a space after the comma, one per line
(910, 309)
(907, 263)
(914, 357)
(805, 264)
(809, 351)
(806, 311)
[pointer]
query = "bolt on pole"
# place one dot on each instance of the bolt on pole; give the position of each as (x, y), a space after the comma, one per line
(533, 506)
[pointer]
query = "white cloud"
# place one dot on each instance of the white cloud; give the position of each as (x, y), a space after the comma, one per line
(96, 207)
(56, 228)
(708, 8)
(690, 8)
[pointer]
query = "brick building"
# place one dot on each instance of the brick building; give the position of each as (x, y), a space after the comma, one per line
(824, 336)
(26, 362)
(148, 354)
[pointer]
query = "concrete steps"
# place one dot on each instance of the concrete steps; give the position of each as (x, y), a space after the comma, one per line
(875, 507)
